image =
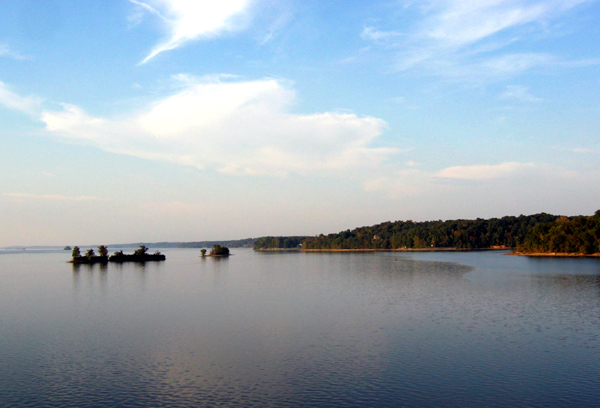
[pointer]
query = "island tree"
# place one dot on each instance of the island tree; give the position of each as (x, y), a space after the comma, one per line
(218, 250)
(143, 250)
(102, 250)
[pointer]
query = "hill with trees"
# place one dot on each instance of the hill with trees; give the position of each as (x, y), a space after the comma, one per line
(279, 242)
(570, 235)
(529, 233)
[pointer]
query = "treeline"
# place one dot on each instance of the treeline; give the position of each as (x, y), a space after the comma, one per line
(279, 242)
(238, 243)
(529, 233)
(462, 234)
(564, 235)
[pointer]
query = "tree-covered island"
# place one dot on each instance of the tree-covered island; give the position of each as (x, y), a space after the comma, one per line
(526, 234)
(90, 257)
(217, 250)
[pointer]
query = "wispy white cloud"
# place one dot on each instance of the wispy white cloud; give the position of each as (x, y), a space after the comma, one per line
(371, 33)
(459, 37)
(483, 172)
(189, 20)
(236, 127)
(412, 181)
(6, 51)
(459, 22)
(401, 183)
(518, 93)
(53, 197)
(579, 150)
(583, 150)
(9, 99)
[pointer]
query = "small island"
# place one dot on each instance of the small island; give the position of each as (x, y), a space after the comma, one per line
(140, 255)
(90, 257)
(216, 251)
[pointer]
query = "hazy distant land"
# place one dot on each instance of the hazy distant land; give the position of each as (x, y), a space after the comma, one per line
(533, 235)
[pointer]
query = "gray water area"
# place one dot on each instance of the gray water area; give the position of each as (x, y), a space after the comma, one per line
(472, 329)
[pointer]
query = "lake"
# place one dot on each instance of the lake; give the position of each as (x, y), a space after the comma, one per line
(466, 329)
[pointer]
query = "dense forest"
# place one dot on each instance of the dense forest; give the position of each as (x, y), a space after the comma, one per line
(532, 233)
(564, 235)
(279, 242)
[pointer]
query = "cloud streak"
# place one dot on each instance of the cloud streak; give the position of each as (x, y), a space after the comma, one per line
(5, 51)
(413, 182)
(52, 197)
(484, 172)
(11, 100)
(518, 93)
(449, 34)
(189, 20)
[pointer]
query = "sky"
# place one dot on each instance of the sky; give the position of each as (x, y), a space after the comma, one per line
(188, 120)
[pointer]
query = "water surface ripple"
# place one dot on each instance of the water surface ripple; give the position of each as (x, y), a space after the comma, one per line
(300, 330)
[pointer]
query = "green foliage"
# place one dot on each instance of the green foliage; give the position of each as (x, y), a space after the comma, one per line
(102, 250)
(580, 235)
(219, 250)
(461, 234)
(76, 252)
(532, 233)
(278, 242)
(118, 253)
(89, 253)
(143, 250)
(203, 251)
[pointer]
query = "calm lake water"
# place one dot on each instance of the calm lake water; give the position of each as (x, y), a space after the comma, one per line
(473, 329)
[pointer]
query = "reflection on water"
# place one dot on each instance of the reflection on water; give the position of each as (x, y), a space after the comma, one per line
(295, 329)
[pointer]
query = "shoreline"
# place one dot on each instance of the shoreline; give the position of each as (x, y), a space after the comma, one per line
(382, 250)
(555, 255)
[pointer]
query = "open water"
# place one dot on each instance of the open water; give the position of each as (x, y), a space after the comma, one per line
(477, 329)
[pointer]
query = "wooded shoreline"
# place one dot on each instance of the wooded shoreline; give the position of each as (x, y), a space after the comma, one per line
(538, 235)
(536, 254)
(556, 254)
(381, 250)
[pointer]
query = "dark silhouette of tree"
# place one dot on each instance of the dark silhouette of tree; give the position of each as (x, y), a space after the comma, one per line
(76, 252)
(143, 250)
(219, 250)
(102, 250)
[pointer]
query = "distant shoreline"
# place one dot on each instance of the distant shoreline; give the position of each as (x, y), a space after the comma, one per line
(534, 254)
(381, 250)
(555, 255)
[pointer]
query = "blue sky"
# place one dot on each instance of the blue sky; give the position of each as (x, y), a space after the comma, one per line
(181, 120)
